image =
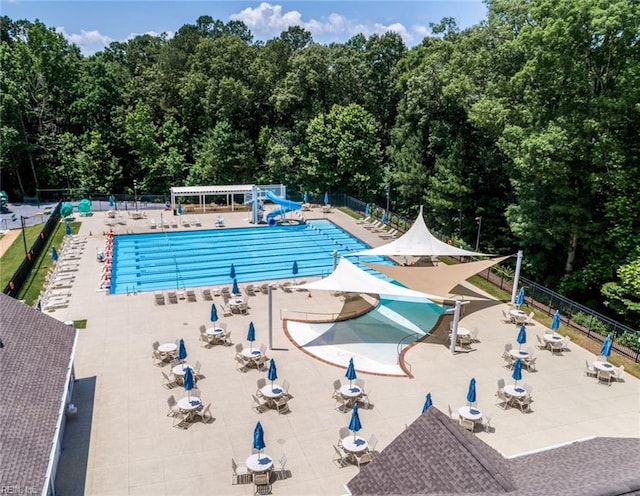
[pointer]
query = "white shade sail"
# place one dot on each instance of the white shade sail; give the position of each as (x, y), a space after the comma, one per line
(349, 278)
(417, 242)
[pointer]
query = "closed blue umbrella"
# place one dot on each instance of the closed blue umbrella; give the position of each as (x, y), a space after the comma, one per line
(471, 393)
(294, 269)
(520, 297)
(384, 217)
(111, 202)
(305, 197)
(179, 208)
(188, 381)
(214, 313)
(517, 371)
(272, 374)
(182, 351)
(326, 198)
(354, 424)
(258, 438)
(39, 306)
(522, 336)
(235, 289)
(427, 403)
(366, 209)
(232, 273)
(54, 254)
(351, 372)
(68, 229)
(555, 322)
(606, 346)
(251, 334)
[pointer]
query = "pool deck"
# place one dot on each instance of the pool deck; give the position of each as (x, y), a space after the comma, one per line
(122, 442)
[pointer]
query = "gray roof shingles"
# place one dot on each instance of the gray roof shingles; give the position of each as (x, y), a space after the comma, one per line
(33, 367)
(436, 456)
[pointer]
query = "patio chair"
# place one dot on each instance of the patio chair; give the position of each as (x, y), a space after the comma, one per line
(541, 344)
(279, 467)
(363, 400)
(373, 442)
(205, 340)
(195, 393)
(502, 400)
(158, 357)
(508, 347)
(285, 386)
(604, 376)
(360, 383)
(191, 295)
(159, 297)
(464, 341)
(206, 294)
(467, 424)
(529, 319)
(342, 433)
(589, 371)
(281, 404)
(173, 406)
(249, 290)
(506, 318)
(181, 421)
(196, 369)
(363, 459)
(524, 403)
(169, 381)
(508, 359)
(259, 404)
(241, 363)
(173, 296)
(264, 288)
(260, 383)
(341, 403)
(556, 347)
(565, 343)
(225, 293)
(241, 474)
(450, 412)
(261, 362)
(474, 334)
(617, 374)
(486, 423)
(530, 364)
(205, 414)
(340, 457)
(336, 388)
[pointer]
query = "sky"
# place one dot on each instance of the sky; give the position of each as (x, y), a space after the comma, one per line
(93, 24)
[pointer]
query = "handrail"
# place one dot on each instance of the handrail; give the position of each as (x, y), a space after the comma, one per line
(400, 348)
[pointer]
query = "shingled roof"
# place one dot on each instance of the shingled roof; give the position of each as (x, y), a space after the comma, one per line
(436, 456)
(34, 364)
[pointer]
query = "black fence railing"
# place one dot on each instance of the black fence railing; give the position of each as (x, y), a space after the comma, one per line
(588, 322)
(22, 273)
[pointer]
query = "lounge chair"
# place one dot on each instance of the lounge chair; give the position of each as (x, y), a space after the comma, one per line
(174, 222)
(249, 289)
(159, 297)
(286, 287)
(196, 222)
(191, 295)
(173, 296)
(219, 221)
(185, 222)
(206, 294)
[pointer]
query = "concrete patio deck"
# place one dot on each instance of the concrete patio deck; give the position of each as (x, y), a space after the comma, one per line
(122, 441)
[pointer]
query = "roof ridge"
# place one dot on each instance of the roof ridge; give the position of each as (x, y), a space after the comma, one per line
(502, 475)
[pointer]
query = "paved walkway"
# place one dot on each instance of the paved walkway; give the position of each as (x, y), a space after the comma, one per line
(123, 442)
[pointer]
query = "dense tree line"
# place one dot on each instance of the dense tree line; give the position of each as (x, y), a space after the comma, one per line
(529, 120)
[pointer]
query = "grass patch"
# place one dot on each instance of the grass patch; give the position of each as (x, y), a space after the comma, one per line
(14, 256)
(350, 213)
(80, 324)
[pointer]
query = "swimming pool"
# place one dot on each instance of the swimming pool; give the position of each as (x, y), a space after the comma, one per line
(179, 259)
(373, 339)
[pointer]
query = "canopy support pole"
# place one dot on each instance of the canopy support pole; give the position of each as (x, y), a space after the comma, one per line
(270, 314)
(516, 277)
(454, 327)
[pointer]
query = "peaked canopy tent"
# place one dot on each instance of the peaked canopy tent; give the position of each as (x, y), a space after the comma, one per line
(418, 242)
(439, 279)
(349, 278)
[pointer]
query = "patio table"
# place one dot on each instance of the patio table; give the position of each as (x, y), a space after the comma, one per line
(470, 413)
(272, 392)
(523, 355)
(179, 370)
(517, 316)
(189, 406)
(604, 366)
(262, 464)
(551, 338)
(357, 445)
(515, 391)
(350, 393)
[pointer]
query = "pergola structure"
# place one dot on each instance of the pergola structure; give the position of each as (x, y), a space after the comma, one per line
(251, 194)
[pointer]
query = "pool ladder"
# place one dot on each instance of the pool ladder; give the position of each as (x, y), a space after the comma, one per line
(401, 346)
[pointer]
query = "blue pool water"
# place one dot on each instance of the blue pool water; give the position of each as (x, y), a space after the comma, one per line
(179, 259)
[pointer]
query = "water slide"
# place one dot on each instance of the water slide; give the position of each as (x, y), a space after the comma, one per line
(285, 206)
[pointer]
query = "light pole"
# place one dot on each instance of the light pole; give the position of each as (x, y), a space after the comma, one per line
(479, 221)
(135, 194)
(388, 188)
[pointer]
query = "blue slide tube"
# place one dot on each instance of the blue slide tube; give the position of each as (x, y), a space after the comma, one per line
(285, 206)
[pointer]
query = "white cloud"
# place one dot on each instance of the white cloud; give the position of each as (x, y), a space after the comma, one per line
(268, 21)
(89, 42)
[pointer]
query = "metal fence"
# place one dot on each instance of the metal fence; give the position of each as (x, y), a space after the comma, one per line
(588, 322)
(22, 273)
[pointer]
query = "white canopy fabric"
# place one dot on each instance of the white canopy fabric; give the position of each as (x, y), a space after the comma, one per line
(417, 242)
(349, 278)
